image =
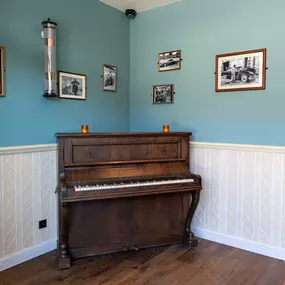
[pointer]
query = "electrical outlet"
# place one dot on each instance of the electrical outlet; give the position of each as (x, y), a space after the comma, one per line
(42, 224)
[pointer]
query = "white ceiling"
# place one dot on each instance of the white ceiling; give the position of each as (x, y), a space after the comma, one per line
(138, 5)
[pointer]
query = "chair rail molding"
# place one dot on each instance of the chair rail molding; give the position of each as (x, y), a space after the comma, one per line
(27, 149)
(238, 147)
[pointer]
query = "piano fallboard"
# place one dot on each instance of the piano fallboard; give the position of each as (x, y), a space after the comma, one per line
(81, 174)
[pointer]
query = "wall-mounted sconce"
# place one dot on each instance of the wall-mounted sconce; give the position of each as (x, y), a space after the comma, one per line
(49, 35)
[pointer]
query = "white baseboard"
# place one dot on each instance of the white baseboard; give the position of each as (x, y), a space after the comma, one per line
(27, 254)
(255, 247)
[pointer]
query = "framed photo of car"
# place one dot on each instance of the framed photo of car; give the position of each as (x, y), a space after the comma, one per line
(163, 94)
(170, 60)
(109, 78)
(71, 85)
(241, 71)
(2, 72)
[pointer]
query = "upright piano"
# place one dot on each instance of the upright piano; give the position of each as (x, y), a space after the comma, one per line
(124, 192)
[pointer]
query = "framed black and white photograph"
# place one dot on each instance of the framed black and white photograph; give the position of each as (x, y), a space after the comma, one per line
(2, 72)
(109, 77)
(241, 71)
(168, 61)
(71, 85)
(163, 94)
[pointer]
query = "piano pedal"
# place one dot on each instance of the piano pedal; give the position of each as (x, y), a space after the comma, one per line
(134, 247)
(131, 247)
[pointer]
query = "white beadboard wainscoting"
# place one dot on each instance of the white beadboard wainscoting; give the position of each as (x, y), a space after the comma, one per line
(242, 203)
(27, 195)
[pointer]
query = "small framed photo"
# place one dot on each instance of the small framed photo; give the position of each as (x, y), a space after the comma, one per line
(168, 61)
(163, 94)
(2, 72)
(241, 71)
(109, 78)
(71, 85)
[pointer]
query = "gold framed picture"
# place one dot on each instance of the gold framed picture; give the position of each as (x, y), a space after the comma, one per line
(2, 71)
(170, 60)
(109, 78)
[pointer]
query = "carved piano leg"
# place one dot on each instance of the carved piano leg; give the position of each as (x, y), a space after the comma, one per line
(192, 240)
(63, 256)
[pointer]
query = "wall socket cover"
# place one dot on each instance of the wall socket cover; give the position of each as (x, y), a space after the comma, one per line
(42, 224)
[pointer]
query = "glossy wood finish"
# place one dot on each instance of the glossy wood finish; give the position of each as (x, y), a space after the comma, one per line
(129, 218)
(208, 264)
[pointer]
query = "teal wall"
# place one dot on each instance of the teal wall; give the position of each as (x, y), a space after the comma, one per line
(202, 29)
(88, 34)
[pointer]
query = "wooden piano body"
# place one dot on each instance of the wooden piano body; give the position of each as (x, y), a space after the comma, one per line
(124, 191)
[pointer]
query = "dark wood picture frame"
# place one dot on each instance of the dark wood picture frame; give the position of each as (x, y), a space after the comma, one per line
(73, 75)
(113, 80)
(154, 87)
(243, 74)
(171, 61)
(2, 71)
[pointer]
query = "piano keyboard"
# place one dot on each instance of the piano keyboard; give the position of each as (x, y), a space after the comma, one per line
(131, 184)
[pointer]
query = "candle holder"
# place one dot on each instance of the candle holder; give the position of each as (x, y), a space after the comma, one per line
(84, 129)
(165, 128)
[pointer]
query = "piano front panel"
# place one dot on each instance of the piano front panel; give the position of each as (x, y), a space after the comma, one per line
(79, 150)
(101, 226)
(118, 152)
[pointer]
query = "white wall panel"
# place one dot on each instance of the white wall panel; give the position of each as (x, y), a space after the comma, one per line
(242, 198)
(28, 178)
(242, 202)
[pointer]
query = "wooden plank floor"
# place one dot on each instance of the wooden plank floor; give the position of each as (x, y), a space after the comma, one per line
(209, 264)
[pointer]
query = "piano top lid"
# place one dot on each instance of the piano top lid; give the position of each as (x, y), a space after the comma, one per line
(123, 134)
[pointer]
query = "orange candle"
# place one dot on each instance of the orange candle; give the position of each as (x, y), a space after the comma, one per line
(84, 129)
(165, 128)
